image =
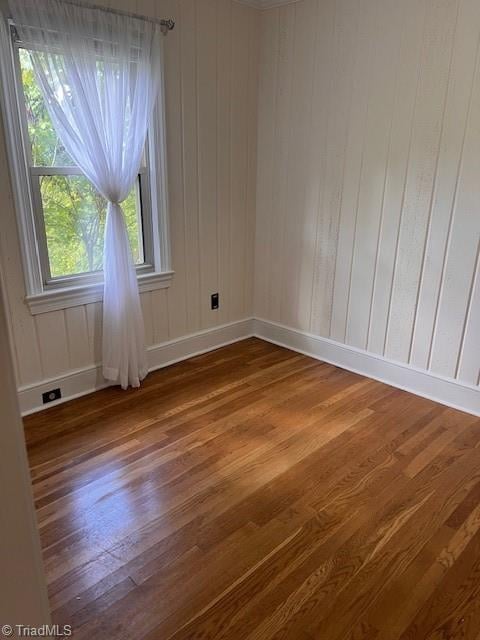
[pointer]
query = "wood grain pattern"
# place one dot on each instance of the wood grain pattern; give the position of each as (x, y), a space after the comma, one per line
(253, 492)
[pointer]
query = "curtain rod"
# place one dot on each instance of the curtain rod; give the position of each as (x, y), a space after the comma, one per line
(165, 24)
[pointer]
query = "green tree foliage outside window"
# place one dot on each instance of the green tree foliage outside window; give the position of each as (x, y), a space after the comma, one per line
(74, 212)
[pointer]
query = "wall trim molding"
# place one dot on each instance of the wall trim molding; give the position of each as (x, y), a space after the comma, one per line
(66, 297)
(80, 382)
(266, 4)
(447, 391)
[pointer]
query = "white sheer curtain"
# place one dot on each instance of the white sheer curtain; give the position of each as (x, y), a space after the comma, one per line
(99, 73)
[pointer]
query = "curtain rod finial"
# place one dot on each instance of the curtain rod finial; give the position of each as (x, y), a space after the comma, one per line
(167, 25)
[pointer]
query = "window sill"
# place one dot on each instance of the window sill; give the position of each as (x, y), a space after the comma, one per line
(57, 299)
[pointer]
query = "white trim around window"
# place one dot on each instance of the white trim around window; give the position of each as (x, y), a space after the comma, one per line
(65, 297)
(42, 297)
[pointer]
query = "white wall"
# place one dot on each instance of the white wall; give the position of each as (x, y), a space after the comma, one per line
(368, 201)
(211, 82)
(23, 589)
(367, 206)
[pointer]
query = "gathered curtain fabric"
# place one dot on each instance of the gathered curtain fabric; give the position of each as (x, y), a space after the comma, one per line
(99, 74)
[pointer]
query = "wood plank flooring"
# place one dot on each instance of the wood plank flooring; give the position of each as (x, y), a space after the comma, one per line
(254, 493)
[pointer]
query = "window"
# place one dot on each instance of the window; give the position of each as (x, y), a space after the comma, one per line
(69, 212)
(62, 214)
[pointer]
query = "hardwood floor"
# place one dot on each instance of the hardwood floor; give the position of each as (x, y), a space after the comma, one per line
(254, 493)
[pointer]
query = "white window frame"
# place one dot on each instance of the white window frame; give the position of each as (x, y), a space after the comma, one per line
(60, 293)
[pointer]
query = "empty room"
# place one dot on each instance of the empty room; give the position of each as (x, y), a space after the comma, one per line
(240, 319)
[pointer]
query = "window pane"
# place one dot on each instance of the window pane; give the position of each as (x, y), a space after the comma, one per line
(46, 148)
(74, 215)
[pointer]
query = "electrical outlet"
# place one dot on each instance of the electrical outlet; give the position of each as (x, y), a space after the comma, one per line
(214, 301)
(50, 396)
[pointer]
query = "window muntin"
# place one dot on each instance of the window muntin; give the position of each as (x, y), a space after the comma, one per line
(69, 212)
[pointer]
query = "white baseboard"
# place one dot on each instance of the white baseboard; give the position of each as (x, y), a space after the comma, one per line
(82, 381)
(423, 383)
(444, 390)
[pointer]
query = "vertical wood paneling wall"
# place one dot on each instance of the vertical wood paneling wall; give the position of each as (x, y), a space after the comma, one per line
(211, 71)
(361, 221)
(368, 192)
